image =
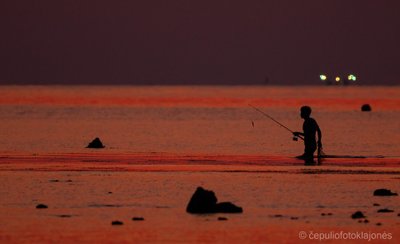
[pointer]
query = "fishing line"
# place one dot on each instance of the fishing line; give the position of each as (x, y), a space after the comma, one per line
(271, 118)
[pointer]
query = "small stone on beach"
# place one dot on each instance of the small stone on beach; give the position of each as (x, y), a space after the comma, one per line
(117, 222)
(376, 205)
(366, 221)
(385, 210)
(378, 224)
(41, 206)
(357, 215)
(137, 218)
(222, 218)
(64, 216)
(384, 192)
(366, 107)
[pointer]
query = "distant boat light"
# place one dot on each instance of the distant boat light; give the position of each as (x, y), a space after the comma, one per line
(337, 79)
(352, 77)
(323, 77)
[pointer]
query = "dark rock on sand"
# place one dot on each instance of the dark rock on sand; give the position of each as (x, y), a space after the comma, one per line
(376, 205)
(64, 216)
(138, 219)
(117, 222)
(378, 224)
(222, 218)
(384, 192)
(227, 207)
(357, 215)
(366, 221)
(204, 201)
(385, 210)
(41, 206)
(366, 108)
(96, 143)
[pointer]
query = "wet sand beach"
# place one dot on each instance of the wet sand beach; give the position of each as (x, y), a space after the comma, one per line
(86, 192)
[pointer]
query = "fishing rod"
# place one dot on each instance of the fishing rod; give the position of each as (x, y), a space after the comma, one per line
(268, 116)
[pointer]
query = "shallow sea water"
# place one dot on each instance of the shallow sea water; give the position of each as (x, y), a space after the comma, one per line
(193, 119)
(163, 142)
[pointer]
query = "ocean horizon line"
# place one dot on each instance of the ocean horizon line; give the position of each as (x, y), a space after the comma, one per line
(193, 84)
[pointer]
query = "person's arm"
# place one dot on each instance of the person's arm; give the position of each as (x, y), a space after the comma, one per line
(319, 137)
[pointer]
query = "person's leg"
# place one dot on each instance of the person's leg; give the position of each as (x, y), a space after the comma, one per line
(309, 154)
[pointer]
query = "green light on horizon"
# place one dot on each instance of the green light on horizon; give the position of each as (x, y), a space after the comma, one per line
(352, 77)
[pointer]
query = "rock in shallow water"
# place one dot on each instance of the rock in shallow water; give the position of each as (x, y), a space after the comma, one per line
(357, 215)
(41, 206)
(385, 210)
(384, 192)
(117, 222)
(204, 201)
(227, 207)
(96, 143)
(366, 108)
(138, 219)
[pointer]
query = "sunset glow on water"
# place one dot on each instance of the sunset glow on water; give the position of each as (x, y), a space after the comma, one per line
(162, 142)
(196, 119)
(345, 98)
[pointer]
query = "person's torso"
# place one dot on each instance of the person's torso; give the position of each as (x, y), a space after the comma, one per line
(309, 129)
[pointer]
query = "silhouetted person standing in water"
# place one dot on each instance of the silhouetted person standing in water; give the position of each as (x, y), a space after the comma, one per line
(310, 128)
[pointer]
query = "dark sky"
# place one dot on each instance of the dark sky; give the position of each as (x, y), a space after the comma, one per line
(189, 41)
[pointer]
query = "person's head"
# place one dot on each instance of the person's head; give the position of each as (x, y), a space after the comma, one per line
(305, 112)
